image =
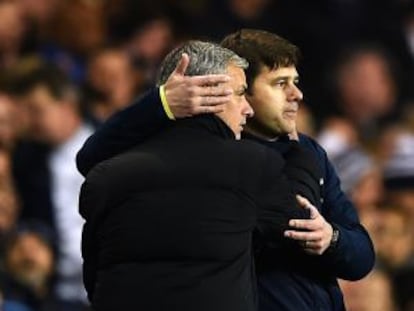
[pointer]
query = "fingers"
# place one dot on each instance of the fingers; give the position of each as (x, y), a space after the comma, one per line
(182, 65)
(213, 101)
(313, 247)
(203, 103)
(303, 236)
(213, 90)
(213, 97)
(308, 224)
(317, 237)
(192, 95)
(208, 99)
(208, 109)
(208, 79)
(313, 244)
(314, 213)
(304, 202)
(195, 109)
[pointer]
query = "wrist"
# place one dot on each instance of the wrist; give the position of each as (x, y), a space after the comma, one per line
(165, 104)
(335, 237)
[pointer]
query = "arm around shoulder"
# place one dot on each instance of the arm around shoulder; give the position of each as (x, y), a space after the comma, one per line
(277, 202)
(123, 130)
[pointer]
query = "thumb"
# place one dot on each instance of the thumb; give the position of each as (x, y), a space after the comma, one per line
(302, 200)
(182, 64)
(307, 205)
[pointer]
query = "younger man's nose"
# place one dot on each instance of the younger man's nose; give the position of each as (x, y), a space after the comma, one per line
(295, 93)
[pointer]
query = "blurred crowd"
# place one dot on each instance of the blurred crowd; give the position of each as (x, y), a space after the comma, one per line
(67, 65)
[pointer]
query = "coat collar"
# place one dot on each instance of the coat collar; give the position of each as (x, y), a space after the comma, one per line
(210, 123)
(282, 144)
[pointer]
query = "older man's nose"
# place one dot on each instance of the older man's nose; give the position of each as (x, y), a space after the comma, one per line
(249, 112)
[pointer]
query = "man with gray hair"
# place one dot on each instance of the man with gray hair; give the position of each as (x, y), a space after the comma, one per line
(167, 234)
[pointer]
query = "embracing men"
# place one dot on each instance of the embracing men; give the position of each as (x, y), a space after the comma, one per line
(332, 241)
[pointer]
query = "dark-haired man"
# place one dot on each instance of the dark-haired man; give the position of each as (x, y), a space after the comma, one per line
(335, 243)
(46, 177)
(163, 233)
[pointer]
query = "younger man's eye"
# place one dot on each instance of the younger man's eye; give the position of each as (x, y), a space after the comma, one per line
(281, 83)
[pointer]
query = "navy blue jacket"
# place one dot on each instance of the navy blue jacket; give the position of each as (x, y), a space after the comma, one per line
(287, 283)
(309, 282)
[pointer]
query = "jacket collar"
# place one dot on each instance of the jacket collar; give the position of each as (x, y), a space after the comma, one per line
(210, 123)
(282, 144)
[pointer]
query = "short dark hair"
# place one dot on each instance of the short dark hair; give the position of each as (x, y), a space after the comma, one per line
(55, 80)
(261, 48)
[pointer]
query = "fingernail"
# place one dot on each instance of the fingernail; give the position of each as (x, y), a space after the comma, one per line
(298, 197)
(287, 234)
(291, 223)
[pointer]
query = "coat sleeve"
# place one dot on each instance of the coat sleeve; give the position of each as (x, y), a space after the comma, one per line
(303, 172)
(354, 256)
(277, 203)
(127, 128)
(88, 246)
(93, 201)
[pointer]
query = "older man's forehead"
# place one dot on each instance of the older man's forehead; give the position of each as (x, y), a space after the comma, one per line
(236, 74)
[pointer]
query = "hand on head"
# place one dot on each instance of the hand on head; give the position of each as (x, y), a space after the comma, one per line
(192, 95)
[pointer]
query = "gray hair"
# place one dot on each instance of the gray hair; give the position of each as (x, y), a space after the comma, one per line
(205, 58)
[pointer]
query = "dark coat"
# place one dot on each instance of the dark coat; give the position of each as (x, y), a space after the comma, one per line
(285, 284)
(169, 223)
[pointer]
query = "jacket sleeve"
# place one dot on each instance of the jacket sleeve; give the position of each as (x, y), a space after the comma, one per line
(353, 257)
(303, 172)
(277, 201)
(92, 201)
(127, 128)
